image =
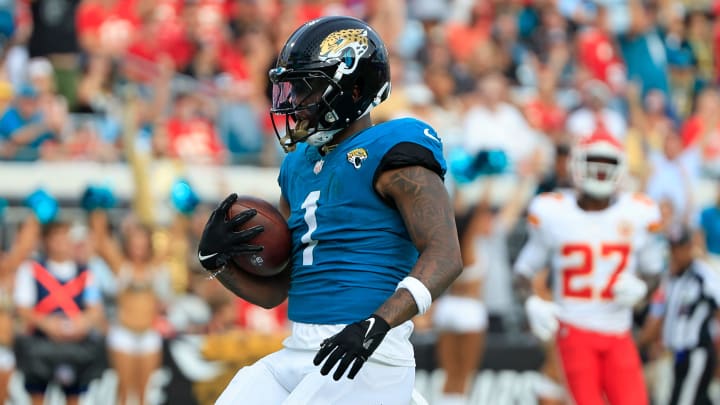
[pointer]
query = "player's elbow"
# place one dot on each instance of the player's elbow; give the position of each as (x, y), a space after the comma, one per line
(455, 266)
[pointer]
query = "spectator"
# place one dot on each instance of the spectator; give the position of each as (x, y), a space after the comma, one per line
(205, 64)
(700, 41)
(543, 112)
(513, 56)
(239, 125)
(495, 124)
(708, 232)
(84, 144)
(189, 135)
(704, 123)
(85, 252)
(22, 247)
(108, 27)
(161, 36)
(553, 30)
(595, 113)
(596, 52)
(41, 77)
(702, 131)
(55, 39)
(446, 113)
(96, 98)
(671, 177)
(60, 305)
(143, 290)
(465, 36)
(648, 124)
(643, 51)
(682, 66)
(7, 26)
(578, 12)
(27, 127)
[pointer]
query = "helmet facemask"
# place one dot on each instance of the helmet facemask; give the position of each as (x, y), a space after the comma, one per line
(305, 100)
(597, 169)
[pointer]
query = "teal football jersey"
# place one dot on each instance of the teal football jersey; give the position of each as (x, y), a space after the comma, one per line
(350, 247)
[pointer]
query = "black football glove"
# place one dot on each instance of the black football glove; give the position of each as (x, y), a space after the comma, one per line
(220, 241)
(354, 344)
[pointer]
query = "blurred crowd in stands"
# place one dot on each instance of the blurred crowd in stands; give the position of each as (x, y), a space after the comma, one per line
(513, 81)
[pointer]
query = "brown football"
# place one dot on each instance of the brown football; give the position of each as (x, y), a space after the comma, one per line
(275, 239)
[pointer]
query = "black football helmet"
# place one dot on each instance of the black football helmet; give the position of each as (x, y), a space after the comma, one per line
(320, 65)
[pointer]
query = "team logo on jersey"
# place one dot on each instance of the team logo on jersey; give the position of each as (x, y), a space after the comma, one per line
(356, 157)
(625, 229)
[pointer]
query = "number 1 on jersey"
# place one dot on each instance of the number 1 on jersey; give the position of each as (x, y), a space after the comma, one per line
(310, 206)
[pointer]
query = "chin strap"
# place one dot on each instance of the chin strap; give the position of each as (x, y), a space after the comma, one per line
(325, 149)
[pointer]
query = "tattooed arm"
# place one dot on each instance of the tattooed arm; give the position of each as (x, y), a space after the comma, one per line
(420, 196)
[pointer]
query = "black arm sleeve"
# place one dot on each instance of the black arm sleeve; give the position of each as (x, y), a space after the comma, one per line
(407, 154)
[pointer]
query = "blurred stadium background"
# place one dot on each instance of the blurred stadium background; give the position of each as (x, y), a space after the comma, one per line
(164, 104)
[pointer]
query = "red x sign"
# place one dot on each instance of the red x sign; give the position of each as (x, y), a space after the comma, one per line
(60, 295)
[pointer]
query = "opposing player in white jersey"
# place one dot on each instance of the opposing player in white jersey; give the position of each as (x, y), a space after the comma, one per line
(595, 240)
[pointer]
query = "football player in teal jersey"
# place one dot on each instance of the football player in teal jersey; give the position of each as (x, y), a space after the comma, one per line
(373, 230)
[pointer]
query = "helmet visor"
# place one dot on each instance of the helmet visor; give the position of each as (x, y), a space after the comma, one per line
(294, 92)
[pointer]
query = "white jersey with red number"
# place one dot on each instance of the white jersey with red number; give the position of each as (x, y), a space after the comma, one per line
(587, 250)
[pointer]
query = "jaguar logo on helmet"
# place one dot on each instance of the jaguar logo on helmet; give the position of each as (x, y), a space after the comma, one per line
(345, 45)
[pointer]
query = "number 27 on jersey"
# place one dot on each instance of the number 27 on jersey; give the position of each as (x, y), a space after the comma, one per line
(587, 259)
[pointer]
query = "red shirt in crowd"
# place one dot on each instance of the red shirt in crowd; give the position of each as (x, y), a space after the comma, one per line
(597, 54)
(193, 140)
(545, 117)
(693, 129)
(211, 18)
(113, 26)
(164, 35)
